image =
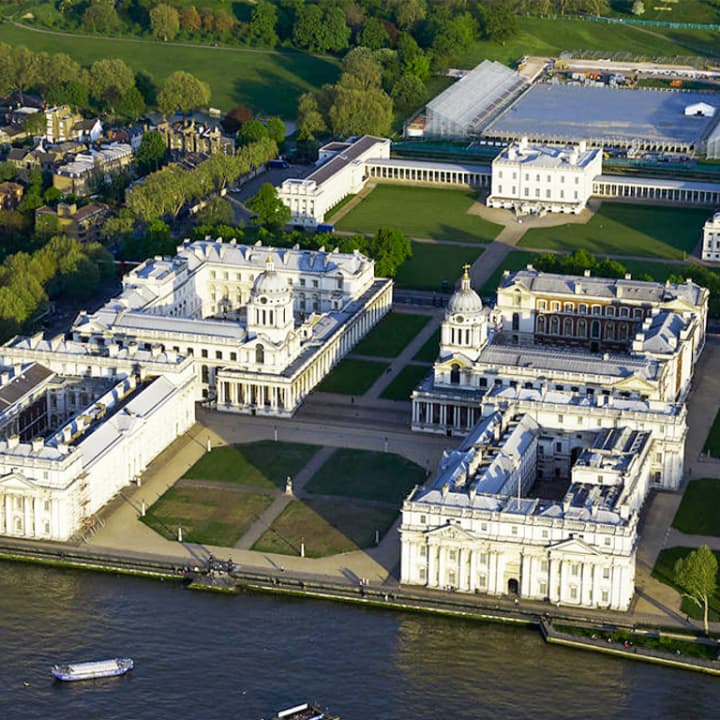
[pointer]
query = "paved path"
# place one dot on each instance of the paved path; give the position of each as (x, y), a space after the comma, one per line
(266, 519)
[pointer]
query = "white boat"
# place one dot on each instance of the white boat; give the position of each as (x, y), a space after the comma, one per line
(306, 711)
(92, 670)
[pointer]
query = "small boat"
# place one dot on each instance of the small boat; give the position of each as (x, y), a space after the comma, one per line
(304, 712)
(92, 670)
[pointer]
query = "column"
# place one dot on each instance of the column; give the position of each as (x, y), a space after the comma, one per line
(472, 580)
(442, 580)
(431, 565)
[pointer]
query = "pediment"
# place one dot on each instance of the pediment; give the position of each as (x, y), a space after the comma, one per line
(574, 546)
(16, 481)
(634, 382)
(450, 532)
(460, 359)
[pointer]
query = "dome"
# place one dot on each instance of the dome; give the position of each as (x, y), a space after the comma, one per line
(465, 300)
(270, 283)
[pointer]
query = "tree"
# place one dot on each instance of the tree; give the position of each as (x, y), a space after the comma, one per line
(412, 59)
(110, 79)
(8, 171)
(224, 23)
(361, 71)
(457, 35)
(183, 91)
(216, 212)
(390, 248)
(116, 230)
(309, 120)
(25, 67)
(262, 25)
(190, 20)
(337, 32)
(101, 16)
(357, 112)
(151, 151)
(408, 92)
(251, 131)
(697, 577)
(320, 31)
(374, 35)
(164, 21)
(638, 7)
(498, 21)
(408, 12)
(276, 130)
(235, 118)
(208, 19)
(271, 212)
(131, 104)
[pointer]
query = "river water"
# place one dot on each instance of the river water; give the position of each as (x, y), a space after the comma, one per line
(208, 656)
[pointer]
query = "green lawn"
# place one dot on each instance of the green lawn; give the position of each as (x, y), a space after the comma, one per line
(366, 475)
(268, 82)
(422, 212)
(625, 229)
(326, 527)
(208, 516)
(551, 36)
(429, 351)
(261, 464)
(405, 382)
(390, 336)
(699, 511)
(431, 265)
(712, 442)
(515, 260)
(664, 571)
(352, 377)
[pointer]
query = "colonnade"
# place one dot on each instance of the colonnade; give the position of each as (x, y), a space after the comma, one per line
(617, 187)
(429, 172)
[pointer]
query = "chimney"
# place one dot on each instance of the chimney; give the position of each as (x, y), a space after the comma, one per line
(586, 273)
(132, 347)
(155, 350)
(38, 443)
(577, 288)
(445, 490)
(628, 276)
(472, 493)
(13, 441)
(112, 349)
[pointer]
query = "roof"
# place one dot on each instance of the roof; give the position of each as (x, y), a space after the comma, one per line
(659, 183)
(23, 382)
(343, 158)
(547, 156)
(468, 103)
(604, 115)
(431, 165)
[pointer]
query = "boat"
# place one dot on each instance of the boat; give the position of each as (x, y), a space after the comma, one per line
(306, 711)
(92, 670)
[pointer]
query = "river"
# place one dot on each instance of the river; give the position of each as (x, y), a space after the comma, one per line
(206, 656)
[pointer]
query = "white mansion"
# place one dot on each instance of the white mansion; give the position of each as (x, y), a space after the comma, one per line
(79, 423)
(264, 325)
(571, 397)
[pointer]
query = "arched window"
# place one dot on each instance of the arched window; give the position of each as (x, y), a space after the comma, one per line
(610, 311)
(455, 374)
(515, 322)
(259, 354)
(595, 329)
(568, 326)
(554, 325)
(622, 331)
(610, 331)
(541, 324)
(582, 328)
(568, 307)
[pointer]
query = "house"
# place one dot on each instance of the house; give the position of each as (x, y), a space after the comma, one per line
(82, 224)
(11, 194)
(87, 130)
(76, 176)
(189, 136)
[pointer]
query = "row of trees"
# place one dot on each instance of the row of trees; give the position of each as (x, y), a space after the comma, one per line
(108, 85)
(62, 267)
(165, 192)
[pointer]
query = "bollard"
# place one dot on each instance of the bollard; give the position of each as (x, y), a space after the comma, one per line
(142, 509)
(180, 535)
(302, 549)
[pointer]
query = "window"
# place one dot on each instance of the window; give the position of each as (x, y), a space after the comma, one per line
(46, 506)
(608, 541)
(544, 564)
(513, 530)
(582, 308)
(605, 597)
(547, 194)
(259, 354)
(218, 355)
(542, 305)
(573, 592)
(423, 519)
(575, 569)
(537, 192)
(562, 179)
(482, 581)
(315, 283)
(610, 311)
(558, 446)
(555, 306)
(624, 312)
(596, 310)
(637, 314)
(452, 555)
(606, 573)
(600, 479)
(658, 457)
(545, 534)
(568, 307)
(482, 558)
(542, 588)
(423, 551)
(499, 189)
(233, 357)
(190, 351)
(483, 527)
(421, 573)
(203, 353)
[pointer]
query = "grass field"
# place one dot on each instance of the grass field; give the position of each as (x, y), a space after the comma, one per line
(515, 260)
(712, 442)
(263, 464)
(352, 377)
(431, 265)
(405, 382)
(429, 351)
(551, 36)
(421, 212)
(268, 82)
(699, 511)
(621, 229)
(390, 336)
(206, 515)
(326, 527)
(664, 571)
(366, 475)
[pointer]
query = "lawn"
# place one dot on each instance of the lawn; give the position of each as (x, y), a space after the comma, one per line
(422, 212)
(352, 377)
(326, 527)
(699, 511)
(367, 475)
(431, 265)
(551, 36)
(429, 351)
(390, 336)
(664, 571)
(269, 82)
(207, 516)
(626, 229)
(405, 382)
(712, 443)
(263, 464)
(515, 260)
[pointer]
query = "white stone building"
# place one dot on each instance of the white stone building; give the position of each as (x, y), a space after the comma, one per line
(568, 425)
(264, 325)
(78, 423)
(711, 239)
(538, 178)
(342, 172)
